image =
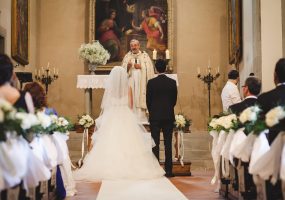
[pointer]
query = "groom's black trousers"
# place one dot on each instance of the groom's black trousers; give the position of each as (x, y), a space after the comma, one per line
(167, 128)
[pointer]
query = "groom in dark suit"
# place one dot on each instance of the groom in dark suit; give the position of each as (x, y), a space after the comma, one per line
(161, 96)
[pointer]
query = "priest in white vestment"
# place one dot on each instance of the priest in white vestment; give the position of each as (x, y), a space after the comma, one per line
(140, 70)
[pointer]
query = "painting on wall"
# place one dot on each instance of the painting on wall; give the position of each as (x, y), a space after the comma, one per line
(116, 22)
(235, 31)
(20, 31)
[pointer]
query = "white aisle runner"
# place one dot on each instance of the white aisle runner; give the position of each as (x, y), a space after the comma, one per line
(155, 189)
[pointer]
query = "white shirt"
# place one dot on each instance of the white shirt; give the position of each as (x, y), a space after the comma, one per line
(230, 95)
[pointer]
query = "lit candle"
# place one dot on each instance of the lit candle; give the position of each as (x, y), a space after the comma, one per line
(48, 65)
(198, 70)
(154, 54)
(209, 62)
(167, 55)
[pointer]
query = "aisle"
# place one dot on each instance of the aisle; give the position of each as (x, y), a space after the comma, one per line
(193, 187)
(158, 189)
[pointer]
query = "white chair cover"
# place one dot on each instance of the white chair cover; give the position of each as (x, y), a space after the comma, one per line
(268, 165)
(260, 147)
(59, 140)
(238, 139)
(243, 151)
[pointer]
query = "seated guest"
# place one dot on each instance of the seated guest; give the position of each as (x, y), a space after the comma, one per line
(251, 90)
(21, 100)
(267, 101)
(275, 97)
(39, 97)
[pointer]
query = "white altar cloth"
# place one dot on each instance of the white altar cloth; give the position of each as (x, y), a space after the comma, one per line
(98, 81)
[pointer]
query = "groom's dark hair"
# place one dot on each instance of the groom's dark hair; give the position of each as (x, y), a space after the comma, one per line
(160, 65)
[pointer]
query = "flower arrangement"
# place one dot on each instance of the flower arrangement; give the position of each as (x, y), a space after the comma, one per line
(274, 116)
(86, 121)
(224, 121)
(94, 53)
(182, 123)
(60, 124)
(250, 118)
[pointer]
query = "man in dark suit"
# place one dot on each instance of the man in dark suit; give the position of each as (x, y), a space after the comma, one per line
(161, 96)
(275, 97)
(267, 101)
(242, 179)
(251, 90)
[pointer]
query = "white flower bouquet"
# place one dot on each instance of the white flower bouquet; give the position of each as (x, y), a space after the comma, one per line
(94, 53)
(274, 116)
(225, 122)
(86, 121)
(182, 122)
(60, 124)
(250, 118)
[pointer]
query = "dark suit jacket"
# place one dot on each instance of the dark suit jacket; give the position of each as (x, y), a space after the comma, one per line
(239, 107)
(161, 96)
(269, 100)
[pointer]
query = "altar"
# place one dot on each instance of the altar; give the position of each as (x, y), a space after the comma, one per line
(90, 82)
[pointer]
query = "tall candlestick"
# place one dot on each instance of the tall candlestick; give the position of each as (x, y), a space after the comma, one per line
(154, 54)
(167, 54)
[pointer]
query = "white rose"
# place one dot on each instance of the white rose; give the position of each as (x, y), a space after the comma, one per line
(274, 115)
(44, 119)
(53, 118)
(213, 123)
(244, 115)
(27, 120)
(5, 105)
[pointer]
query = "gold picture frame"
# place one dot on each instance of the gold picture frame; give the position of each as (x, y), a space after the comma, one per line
(92, 34)
(20, 31)
(235, 31)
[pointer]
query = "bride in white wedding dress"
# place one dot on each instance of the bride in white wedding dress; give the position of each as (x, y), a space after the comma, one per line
(122, 149)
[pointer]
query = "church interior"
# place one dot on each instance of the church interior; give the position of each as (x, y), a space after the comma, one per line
(204, 40)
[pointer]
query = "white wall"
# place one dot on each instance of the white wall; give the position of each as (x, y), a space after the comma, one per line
(5, 29)
(5, 23)
(271, 40)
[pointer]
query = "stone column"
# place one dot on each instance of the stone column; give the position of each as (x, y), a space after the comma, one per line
(271, 40)
(88, 101)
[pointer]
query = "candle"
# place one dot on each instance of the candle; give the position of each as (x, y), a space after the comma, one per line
(54, 70)
(154, 54)
(218, 69)
(209, 62)
(48, 65)
(198, 70)
(39, 72)
(167, 55)
(35, 72)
